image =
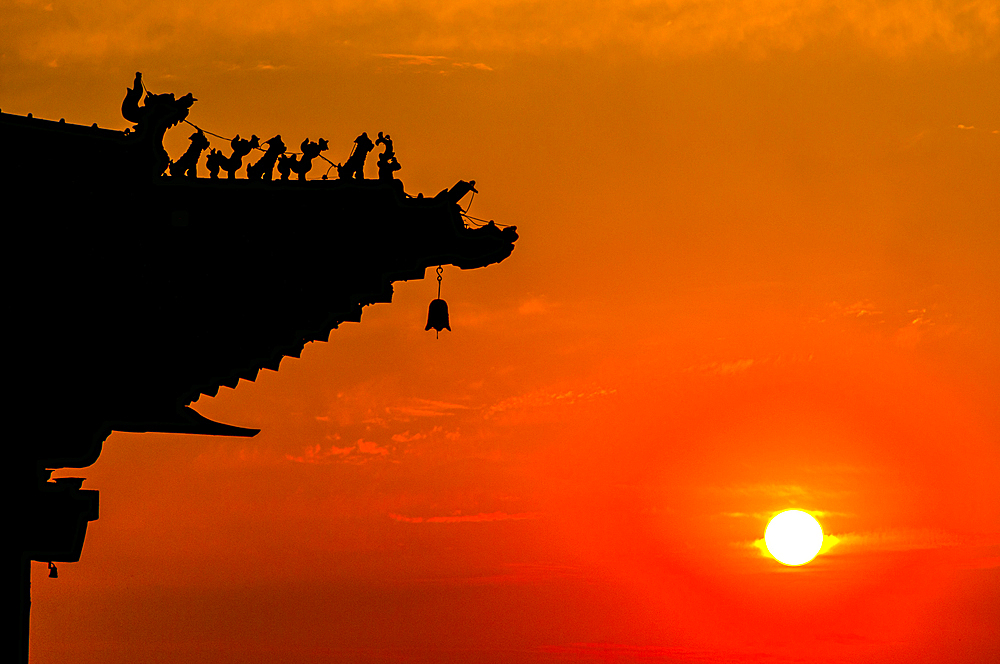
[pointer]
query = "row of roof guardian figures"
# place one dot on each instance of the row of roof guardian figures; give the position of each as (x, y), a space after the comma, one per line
(164, 110)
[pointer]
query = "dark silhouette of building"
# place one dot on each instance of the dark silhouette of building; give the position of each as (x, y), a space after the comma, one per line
(133, 293)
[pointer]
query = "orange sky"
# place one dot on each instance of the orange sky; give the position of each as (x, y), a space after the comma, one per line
(758, 269)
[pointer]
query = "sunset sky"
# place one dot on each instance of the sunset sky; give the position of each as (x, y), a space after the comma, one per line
(759, 269)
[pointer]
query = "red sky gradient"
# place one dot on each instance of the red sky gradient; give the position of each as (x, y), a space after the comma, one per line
(759, 269)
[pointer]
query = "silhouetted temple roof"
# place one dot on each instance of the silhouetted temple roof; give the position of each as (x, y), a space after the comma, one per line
(133, 292)
(144, 291)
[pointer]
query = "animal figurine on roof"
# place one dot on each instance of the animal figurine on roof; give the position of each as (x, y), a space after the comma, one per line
(156, 110)
(386, 141)
(157, 114)
(387, 162)
(188, 163)
(241, 148)
(288, 164)
(264, 167)
(386, 167)
(355, 164)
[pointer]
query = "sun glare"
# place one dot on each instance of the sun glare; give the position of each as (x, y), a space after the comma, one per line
(793, 537)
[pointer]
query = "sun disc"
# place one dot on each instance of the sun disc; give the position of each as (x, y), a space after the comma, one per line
(793, 537)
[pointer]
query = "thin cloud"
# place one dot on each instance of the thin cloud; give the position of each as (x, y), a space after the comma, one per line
(473, 65)
(973, 127)
(404, 59)
(361, 452)
(725, 368)
(368, 447)
(860, 309)
(865, 310)
(921, 325)
(435, 61)
(406, 437)
(316, 454)
(260, 66)
(541, 399)
(899, 539)
(424, 408)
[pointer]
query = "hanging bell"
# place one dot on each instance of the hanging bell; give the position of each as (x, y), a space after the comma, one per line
(437, 316)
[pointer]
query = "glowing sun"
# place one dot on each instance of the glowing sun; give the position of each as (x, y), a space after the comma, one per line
(793, 537)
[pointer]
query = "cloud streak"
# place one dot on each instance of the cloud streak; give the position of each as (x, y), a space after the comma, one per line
(424, 408)
(545, 398)
(316, 454)
(413, 59)
(900, 539)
